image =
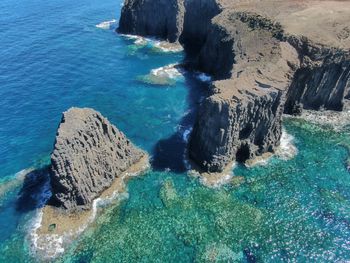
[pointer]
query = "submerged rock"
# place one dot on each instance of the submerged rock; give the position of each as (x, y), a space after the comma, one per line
(89, 153)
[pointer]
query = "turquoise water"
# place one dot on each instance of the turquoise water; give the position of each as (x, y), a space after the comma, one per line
(52, 57)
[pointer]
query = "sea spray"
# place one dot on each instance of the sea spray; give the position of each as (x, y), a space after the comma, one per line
(49, 246)
(110, 24)
(164, 76)
(186, 137)
(285, 151)
(156, 45)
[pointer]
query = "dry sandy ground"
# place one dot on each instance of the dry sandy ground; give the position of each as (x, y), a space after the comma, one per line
(323, 22)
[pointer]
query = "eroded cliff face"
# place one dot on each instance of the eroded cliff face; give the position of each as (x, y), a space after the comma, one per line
(185, 21)
(89, 153)
(264, 62)
(197, 22)
(243, 116)
(323, 79)
(159, 18)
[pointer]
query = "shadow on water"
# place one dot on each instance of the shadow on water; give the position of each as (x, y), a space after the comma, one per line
(35, 191)
(169, 153)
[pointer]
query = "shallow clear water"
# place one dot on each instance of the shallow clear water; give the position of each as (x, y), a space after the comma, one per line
(52, 57)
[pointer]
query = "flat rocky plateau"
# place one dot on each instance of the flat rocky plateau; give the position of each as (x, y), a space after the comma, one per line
(322, 22)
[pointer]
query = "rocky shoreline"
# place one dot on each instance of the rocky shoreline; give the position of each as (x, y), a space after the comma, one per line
(57, 228)
(90, 164)
(89, 154)
(264, 60)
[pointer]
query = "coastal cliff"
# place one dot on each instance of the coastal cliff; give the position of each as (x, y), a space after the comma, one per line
(263, 60)
(89, 154)
(243, 116)
(323, 79)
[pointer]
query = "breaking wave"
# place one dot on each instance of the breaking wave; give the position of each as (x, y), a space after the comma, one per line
(155, 44)
(107, 24)
(49, 246)
(287, 150)
(167, 75)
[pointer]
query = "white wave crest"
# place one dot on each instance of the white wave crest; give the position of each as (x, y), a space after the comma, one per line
(215, 180)
(286, 150)
(162, 46)
(171, 71)
(167, 75)
(107, 24)
(165, 46)
(49, 246)
(219, 179)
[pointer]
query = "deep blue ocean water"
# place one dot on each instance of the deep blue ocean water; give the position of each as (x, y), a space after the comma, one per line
(53, 57)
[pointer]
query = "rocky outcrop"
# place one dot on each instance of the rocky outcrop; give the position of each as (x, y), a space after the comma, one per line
(89, 153)
(159, 18)
(182, 21)
(264, 60)
(243, 116)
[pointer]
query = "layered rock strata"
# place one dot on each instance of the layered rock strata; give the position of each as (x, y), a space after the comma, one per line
(266, 57)
(89, 154)
(242, 117)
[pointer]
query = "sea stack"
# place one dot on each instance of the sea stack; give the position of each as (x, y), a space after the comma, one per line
(266, 57)
(89, 154)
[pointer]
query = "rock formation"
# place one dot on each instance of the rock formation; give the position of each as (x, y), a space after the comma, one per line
(89, 153)
(267, 57)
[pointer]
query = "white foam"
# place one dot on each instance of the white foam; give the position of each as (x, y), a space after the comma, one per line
(203, 77)
(215, 180)
(107, 24)
(286, 150)
(49, 246)
(225, 179)
(171, 71)
(186, 134)
(21, 174)
(165, 46)
(162, 46)
(221, 179)
(185, 137)
(259, 161)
